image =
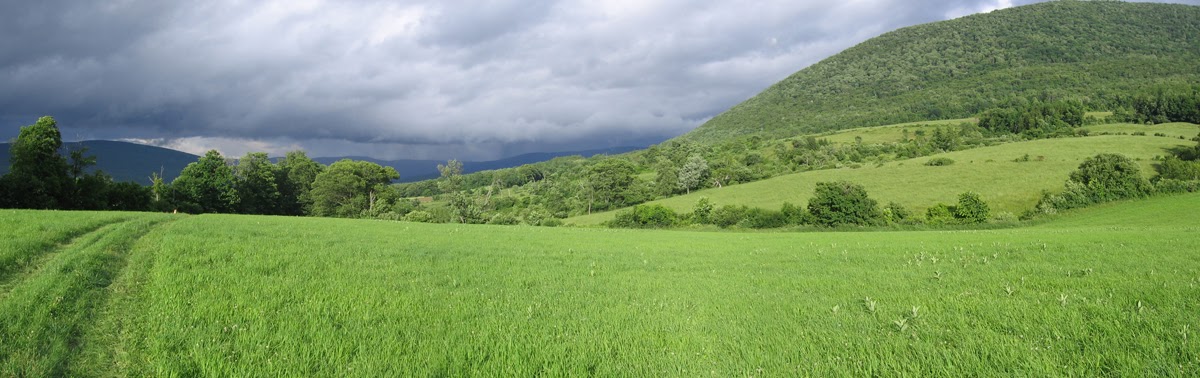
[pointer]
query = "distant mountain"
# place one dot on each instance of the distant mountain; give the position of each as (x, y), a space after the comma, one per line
(418, 170)
(134, 162)
(124, 161)
(1093, 51)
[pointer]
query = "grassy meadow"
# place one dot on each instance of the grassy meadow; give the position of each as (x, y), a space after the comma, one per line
(1110, 290)
(994, 172)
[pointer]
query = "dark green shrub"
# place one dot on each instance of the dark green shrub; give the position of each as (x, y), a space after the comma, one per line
(841, 203)
(1101, 178)
(971, 208)
(940, 214)
(1174, 168)
(702, 212)
(1110, 177)
(728, 215)
(1173, 186)
(795, 215)
(645, 216)
(763, 218)
(895, 213)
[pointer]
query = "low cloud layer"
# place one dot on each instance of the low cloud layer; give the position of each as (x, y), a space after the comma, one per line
(415, 79)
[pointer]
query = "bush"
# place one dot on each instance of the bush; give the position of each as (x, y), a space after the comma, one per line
(763, 218)
(419, 216)
(940, 214)
(795, 215)
(1004, 217)
(1174, 168)
(1110, 177)
(729, 215)
(1172, 186)
(1101, 178)
(645, 216)
(971, 208)
(895, 213)
(939, 161)
(839, 203)
(702, 212)
(504, 219)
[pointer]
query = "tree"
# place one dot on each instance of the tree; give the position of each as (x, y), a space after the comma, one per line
(295, 180)
(348, 188)
(1174, 168)
(88, 191)
(128, 196)
(206, 186)
(971, 208)
(610, 181)
(450, 176)
(38, 176)
(463, 204)
(257, 185)
(702, 212)
(1101, 178)
(692, 173)
(666, 177)
(1111, 177)
(841, 203)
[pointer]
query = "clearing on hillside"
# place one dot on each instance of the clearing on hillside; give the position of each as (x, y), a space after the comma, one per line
(1000, 174)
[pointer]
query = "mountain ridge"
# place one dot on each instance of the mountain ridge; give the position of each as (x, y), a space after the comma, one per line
(135, 162)
(1093, 51)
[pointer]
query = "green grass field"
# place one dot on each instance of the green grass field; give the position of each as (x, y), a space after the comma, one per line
(1110, 290)
(1005, 184)
(1172, 130)
(889, 133)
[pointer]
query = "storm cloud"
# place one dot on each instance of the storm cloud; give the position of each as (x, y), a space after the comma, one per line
(415, 79)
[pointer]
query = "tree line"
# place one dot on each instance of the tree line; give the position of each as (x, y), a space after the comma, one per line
(42, 178)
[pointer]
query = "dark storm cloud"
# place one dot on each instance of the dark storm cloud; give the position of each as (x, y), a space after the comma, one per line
(438, 79)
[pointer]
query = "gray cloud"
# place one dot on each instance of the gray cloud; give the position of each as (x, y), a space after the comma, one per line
(425, 79)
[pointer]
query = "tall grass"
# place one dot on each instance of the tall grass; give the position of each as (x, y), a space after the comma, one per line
(27, 234)
(44, 315)
(1109, 292)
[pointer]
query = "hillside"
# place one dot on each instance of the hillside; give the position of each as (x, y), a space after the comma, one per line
(418, 170)
(993, 172)
(1094, 51)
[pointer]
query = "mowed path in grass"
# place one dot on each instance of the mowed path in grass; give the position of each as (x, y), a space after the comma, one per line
(57, 269)
(1109, 290)
(1005, 184)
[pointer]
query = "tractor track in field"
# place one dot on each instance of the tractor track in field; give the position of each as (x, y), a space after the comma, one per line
(20, 267)
(54, 301)
(36, 263)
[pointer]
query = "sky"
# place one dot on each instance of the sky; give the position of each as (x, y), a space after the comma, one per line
(471, 80)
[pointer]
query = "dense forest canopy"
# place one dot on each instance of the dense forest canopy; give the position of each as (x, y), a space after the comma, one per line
(1095, 52)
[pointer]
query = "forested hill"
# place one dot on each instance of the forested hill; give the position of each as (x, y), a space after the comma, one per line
(1093, 51)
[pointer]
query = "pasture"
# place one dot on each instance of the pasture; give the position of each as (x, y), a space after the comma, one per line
(1110, 290)
(1000, 174)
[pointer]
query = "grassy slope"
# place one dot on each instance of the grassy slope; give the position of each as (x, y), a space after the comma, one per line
(990, 171)
(1105, 291)
(889, 133)
(1174, 130)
